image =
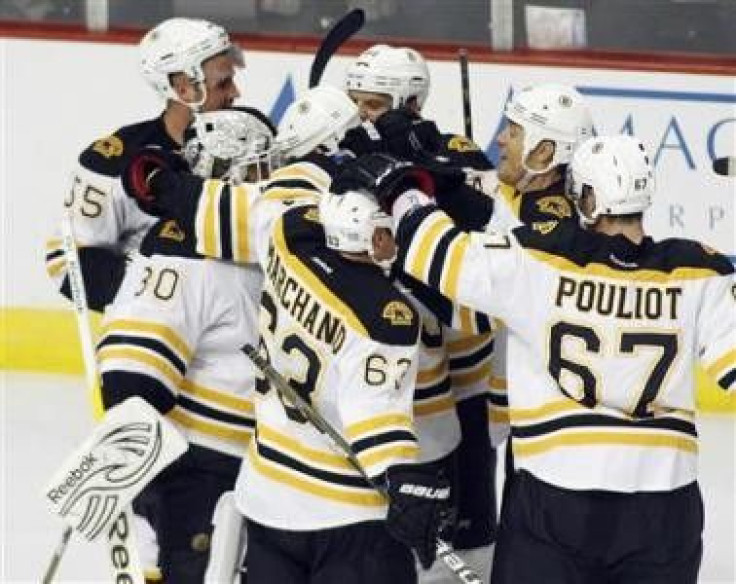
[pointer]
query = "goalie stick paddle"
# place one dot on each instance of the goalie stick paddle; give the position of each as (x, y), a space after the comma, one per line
(454, 563)
(340, 32)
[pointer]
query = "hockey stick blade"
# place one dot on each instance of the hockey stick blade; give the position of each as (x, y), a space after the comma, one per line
(445, 552)
(340, 32)
(725, 166)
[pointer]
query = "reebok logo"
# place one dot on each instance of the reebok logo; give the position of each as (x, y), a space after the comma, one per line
(72, 479)
(425, 492)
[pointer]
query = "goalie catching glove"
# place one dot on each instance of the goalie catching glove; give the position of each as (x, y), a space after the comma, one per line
(139, 172)
(419, 508)
(384, 176)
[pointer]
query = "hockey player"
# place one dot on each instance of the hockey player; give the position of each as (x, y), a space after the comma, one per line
(604, 325)
(190, 64)
(390, 86)
(173, 335)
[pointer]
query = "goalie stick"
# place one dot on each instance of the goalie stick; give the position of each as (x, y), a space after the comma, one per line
(454, 563)
(119, 537)
(340, 32)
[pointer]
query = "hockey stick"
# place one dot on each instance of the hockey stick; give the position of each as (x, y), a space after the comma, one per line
(725, 166)
(465, 87)
(340, 32)
(454, 563)
(123, 545)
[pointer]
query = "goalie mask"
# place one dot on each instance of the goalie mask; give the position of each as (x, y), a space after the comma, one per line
(182, 45)
(350, 220)
(618, 170)
(399, 72)
(317, 120)
(235, 144)
(550, 112)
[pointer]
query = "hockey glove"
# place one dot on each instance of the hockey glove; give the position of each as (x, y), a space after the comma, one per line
(419, 508)
(384, 176)
(140, 169)
(363, 139)
(407, 136)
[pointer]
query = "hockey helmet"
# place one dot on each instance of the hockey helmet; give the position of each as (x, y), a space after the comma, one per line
(399, 72)
(229, 143)
(619, 171)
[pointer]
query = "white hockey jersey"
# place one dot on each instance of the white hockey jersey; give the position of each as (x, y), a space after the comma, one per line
(353, 355)
(103, 216)
(174, 333)
(602, 337)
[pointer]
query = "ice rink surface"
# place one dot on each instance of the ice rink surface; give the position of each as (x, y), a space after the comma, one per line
(43, 418)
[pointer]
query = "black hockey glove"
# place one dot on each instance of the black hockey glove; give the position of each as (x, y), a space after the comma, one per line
(419, 508)
(363, 139)
(405, 135)
(384, 176)
(139, 171)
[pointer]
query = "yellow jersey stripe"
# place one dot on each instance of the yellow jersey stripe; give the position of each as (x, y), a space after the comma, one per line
(471, 377)
(280, 474)
(727, 360)
(498, 383)
(293, 171)
(209, 228)
(378, 424)
(498, 414)
(283, 194)
(210, 428)
(434, 374)
(313, 283)
(451, 275)
(526, 447)
(392, 453)
(425, 244)
(604, 271)
(53, 268)
(238, 404)
(299, 451)
(429, 408)
(140, 327)
(240, 223)
(144, 357)
(468, 344)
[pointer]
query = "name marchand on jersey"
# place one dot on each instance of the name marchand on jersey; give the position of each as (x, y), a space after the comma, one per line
(602, 336)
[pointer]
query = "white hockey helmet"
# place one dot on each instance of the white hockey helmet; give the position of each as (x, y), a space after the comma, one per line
(619, 171)
(399, 72)
(228, 143)
(551, 112)
(318, 119)
(350, 219)
(181, 45)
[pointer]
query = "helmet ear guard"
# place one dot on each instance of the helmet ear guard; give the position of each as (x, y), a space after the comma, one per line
(618, 170)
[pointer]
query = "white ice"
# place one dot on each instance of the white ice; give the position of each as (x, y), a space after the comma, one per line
(43, 418)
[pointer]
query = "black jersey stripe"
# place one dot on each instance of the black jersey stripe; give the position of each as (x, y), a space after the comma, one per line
(212, 413)
(53, 255)
(282, 459)
(434, 390)
(478, 356)
(360, 446)
(727, 380)
(498, 399)
(225, 214)
(600, 420)
(292, 183)
(439, 256)
(158, 347)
